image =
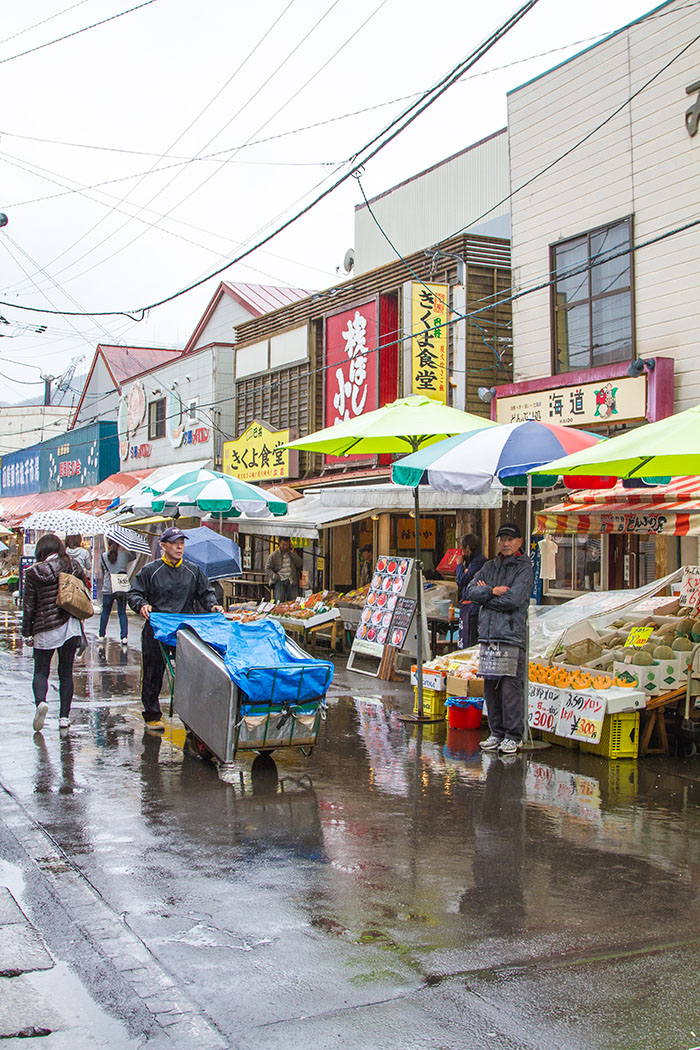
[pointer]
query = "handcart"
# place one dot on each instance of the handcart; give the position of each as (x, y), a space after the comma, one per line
(278, 701)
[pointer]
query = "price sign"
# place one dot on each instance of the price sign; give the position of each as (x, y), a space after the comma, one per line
(581, 716)
(403, 614)
(690, 587)
(638, 636)
(543, 706)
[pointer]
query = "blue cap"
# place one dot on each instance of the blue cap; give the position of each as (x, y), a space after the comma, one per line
(172, 534)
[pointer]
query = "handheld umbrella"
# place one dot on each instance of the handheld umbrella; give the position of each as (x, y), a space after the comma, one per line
(404, 425)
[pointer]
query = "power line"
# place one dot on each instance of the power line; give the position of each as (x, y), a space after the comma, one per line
(43, 21)
(580, 142)
(366, 153)
(76, 32)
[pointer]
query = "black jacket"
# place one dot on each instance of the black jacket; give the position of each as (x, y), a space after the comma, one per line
(39, 609)
(503, 618)
(171, 589)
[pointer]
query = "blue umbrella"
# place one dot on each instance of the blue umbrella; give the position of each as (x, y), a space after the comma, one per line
(217, 556)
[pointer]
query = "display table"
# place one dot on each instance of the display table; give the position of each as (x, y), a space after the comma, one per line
(314, 624)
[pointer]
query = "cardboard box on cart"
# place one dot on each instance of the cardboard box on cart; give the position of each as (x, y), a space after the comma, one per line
(464, 686)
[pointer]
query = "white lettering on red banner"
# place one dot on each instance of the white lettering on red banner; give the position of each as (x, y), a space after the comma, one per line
(351, 364)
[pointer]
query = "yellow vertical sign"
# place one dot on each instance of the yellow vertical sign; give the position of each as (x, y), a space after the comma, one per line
(428, 324)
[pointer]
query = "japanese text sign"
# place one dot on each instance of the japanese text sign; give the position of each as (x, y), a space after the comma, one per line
(351, 365)
(429, 345)
(406, 533)
(581, 716)
(543, 707)
(690, 587)
(638, 636)
(606, 401)
(20, 473)
(259, 454)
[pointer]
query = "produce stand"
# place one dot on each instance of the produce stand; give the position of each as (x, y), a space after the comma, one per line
(241, 686)
(605, 682)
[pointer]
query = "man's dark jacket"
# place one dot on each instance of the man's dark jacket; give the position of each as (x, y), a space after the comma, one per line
(39, 610)
(465, 575)
(171, 589)
(503, 618)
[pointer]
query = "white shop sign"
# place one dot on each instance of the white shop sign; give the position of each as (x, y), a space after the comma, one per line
(606, 401)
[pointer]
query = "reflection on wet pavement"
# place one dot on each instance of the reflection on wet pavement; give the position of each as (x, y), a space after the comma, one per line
(527, 902)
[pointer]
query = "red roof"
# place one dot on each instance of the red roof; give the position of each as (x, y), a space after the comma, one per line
(264, 298)
(125, 362)
(99, 497)
(257, 299)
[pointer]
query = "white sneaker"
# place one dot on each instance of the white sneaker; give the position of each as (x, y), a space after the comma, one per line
(509, 747)
(101, 639)
(40, 714)
(492, 743)
(124, 643)
(63, 723)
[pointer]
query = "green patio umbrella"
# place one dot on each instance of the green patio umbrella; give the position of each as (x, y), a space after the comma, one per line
(222, 494)
(668, 448)
(400, 427)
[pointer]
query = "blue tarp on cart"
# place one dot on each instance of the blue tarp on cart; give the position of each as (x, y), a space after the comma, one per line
(258, 656)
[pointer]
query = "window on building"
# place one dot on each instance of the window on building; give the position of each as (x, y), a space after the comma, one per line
(156, 419)
(592, 306)
(193, 411)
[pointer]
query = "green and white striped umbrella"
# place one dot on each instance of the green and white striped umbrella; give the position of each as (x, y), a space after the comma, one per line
(216, 493)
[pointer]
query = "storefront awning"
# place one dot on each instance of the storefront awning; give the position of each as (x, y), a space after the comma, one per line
(638, 518)
(398, 497)
(304, 518)
(15, 509)
(661, 510)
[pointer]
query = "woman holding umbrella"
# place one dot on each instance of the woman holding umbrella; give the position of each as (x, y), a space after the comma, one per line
(114, 563)
(52, 628)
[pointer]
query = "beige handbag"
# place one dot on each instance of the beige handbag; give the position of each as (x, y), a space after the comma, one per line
(120, 582)
(73, 596)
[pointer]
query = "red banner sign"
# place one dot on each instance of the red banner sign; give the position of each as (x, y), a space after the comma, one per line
(351, 366)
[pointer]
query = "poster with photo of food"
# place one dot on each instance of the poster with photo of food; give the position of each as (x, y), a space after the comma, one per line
(389, 583)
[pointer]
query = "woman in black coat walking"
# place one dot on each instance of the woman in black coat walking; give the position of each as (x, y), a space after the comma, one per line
(51, 627)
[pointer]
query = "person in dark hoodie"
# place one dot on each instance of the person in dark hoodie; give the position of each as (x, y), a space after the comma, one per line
(52, 628)
(502, 591)
(472, 561)
(169, 585)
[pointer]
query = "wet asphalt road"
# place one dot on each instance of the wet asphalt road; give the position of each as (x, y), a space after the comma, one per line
(395, 890)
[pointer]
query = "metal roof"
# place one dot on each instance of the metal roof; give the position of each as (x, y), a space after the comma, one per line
(262, 299)
(124, 362)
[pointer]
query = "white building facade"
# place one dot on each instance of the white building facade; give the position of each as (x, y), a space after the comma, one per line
(605, 169)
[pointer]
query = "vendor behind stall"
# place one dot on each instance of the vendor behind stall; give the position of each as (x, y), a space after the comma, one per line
(283, 569)
(472, 561)
(169, 585)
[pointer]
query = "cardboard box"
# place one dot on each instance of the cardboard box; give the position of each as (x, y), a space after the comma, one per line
(465, 686)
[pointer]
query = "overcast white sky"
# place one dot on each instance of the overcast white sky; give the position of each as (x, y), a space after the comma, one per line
(175, 81)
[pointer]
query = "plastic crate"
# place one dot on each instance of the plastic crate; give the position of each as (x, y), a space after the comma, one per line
(560, 741)
(620, 737)
(433, 702)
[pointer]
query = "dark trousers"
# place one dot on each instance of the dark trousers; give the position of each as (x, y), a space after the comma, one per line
(285, 591)
(152, 671)
(468, 626)
(42, 666)
(505, 703)
(108, 601)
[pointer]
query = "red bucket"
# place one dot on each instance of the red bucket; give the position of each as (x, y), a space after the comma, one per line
(464, 717)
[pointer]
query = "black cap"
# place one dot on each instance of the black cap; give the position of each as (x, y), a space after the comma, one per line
(509, 529)
(172, 534)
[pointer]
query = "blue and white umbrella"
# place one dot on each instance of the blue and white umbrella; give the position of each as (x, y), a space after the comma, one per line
(128, 539)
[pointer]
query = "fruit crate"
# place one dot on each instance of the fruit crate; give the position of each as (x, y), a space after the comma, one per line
(619, 739)
(433, 702)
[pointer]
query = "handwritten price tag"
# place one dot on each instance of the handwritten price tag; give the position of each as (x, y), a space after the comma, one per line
(639, 635)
